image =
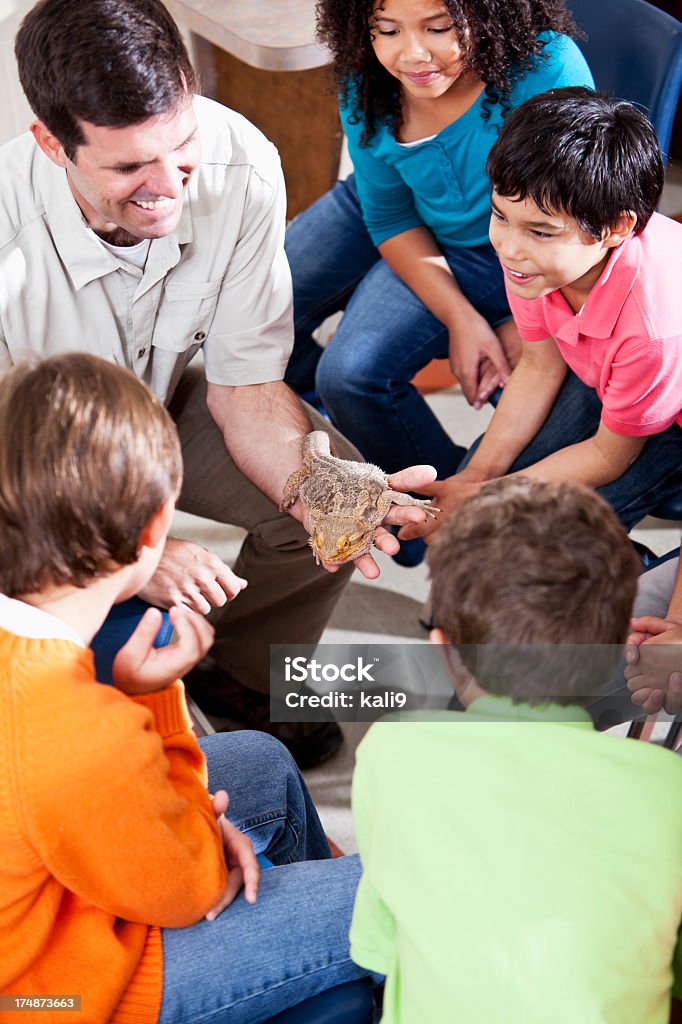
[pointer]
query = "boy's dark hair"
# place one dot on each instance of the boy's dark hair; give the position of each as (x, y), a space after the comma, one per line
(87, 456)
(112, 63)
(582, 153)
(538, 564)
(502, 38)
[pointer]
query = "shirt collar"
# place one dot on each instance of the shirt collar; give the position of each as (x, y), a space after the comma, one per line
(25, 620)
(79, 248)
(597, 318)
(490, 707)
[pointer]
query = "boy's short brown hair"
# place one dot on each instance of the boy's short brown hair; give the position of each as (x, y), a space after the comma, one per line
(538, 564)
(87, 456)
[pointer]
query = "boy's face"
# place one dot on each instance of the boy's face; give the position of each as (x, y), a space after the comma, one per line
(542, 252)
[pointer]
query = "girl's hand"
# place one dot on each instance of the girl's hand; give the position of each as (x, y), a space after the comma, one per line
(139, 667)
(477, 358)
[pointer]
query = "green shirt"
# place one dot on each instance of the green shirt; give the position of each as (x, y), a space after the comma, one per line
(517, 871)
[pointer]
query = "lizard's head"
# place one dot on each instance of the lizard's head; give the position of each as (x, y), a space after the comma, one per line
(338, 539)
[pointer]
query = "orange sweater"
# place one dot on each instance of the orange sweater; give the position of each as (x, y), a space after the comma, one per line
(106, 834)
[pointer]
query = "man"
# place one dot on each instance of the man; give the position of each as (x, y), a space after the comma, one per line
(144, 224)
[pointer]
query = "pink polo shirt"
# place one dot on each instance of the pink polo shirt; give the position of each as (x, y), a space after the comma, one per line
(626, 341)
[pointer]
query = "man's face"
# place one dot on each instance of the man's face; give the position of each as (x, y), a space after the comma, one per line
(542, 252)
(130, 182)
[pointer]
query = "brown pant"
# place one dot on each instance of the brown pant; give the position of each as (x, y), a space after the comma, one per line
(289, 598)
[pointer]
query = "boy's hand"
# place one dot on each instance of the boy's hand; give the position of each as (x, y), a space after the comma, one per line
(139, 667)
(447, 495)
(242, 865)
(190, 575)
(654, 672)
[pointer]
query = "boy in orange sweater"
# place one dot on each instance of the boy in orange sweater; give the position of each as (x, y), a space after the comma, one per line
(117, 866)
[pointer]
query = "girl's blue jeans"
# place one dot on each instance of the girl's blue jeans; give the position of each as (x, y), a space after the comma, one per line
(386, 335)
(254, 961)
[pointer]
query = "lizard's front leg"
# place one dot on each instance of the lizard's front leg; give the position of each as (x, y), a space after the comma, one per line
(292, 487)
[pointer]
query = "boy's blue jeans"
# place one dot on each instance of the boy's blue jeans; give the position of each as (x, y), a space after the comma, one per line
(253, 961)
(654, 476)
(387, 334)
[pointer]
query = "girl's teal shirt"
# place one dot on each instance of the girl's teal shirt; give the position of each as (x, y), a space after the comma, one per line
(441, 183)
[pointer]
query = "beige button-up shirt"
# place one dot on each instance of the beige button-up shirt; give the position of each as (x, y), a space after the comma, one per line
(219, 282)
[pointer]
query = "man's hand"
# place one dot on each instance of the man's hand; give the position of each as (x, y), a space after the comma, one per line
(447, 495)
(477, 359)
(139, 667)
(242, 865)
(654, 672)
(190, 575)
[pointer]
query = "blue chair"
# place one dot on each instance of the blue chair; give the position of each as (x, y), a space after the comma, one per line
(352, 1003)
(635, 52)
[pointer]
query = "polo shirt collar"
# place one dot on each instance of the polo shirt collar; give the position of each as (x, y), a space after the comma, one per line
(23, 619)
(492, 708)
(78, 246)
(598, 317)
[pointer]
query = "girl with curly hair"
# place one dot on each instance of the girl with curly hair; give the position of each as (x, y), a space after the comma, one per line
(402, 244)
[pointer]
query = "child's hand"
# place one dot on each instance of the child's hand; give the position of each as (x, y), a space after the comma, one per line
(654, 656)
(477, 359)
(139, 667)
(447, 495)
(242, 865)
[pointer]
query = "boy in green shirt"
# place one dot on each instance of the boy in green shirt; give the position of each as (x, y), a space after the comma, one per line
(518, 866)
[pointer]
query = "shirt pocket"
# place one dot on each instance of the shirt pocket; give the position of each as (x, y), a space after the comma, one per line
(185, 314)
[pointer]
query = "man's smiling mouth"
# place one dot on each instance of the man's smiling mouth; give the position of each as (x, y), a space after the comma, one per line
(157, 204)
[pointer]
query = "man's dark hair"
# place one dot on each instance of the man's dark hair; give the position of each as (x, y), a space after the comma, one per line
(580, 152)
(537, 581)
(113, 63)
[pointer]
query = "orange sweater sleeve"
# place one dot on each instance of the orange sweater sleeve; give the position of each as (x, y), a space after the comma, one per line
(124, 821)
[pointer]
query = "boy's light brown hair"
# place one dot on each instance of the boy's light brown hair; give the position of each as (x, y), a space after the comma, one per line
(87, 456)
(537, 564)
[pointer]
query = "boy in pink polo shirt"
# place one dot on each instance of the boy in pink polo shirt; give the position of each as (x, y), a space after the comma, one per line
(592, 276)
